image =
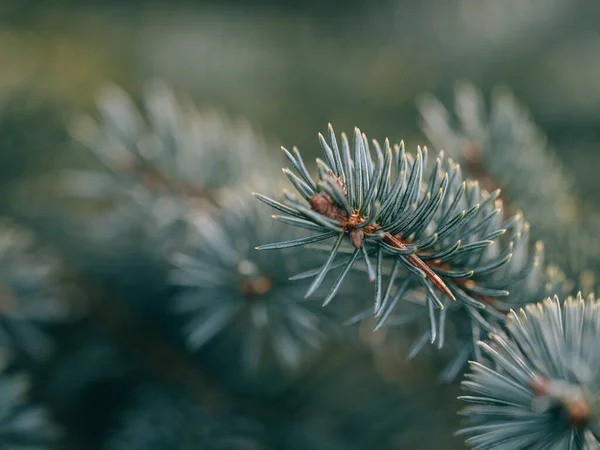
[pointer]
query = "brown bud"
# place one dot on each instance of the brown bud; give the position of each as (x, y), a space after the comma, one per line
(257, 286)
(357, 237)
(579, 412)
(323, 204)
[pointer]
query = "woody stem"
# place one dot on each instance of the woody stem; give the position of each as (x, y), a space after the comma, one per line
(420, 264)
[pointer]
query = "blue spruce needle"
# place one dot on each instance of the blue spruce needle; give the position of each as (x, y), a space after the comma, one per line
(539, 384)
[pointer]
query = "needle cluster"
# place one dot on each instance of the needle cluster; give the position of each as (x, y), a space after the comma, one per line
(539, 386)
(228, 288)
(412, 226)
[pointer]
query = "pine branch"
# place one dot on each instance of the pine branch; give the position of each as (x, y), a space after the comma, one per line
(540, 383)
(169, 144)
(157, 162)
(460, 325)
(439, 232)
(502, 147)
(226, 288)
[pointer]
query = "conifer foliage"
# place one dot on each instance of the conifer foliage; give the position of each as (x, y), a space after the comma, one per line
(413, 227)
(540, 384)
(224, 318)
(500, 145)
(227, 286)
(153, 164)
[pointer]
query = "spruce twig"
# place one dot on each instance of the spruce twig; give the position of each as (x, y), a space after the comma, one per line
(441, 231)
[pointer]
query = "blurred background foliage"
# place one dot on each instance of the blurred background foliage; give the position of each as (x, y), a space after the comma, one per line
(290, 67)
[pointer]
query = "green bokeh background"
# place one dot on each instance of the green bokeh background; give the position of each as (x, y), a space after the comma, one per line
(291, 67)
